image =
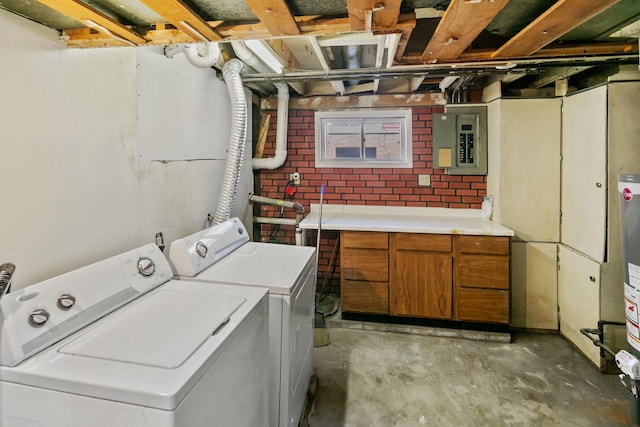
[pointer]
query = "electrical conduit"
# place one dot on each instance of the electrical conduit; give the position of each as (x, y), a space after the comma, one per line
(248, 57)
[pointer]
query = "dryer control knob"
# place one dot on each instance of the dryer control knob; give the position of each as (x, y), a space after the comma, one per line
(38, 317)
(146, 266)
(66, 301)
(201, 249)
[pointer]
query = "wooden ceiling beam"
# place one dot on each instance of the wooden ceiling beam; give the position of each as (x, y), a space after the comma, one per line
(373, 15)
(94, 19)
(275, 16)
(553, 51)
(559, 19)
(461, 23)
(312, 25)
(183, 18)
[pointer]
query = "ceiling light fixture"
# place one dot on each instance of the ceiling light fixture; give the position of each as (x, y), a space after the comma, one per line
(507, 66)
(446, 82)
(266, 55)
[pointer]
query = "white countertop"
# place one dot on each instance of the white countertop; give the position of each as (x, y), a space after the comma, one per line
(403, 219)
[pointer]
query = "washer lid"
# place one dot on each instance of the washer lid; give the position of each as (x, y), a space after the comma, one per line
(273, 266)
(148, 332)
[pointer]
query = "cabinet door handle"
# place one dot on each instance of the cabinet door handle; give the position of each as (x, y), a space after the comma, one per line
(592, 278)
(598, 184)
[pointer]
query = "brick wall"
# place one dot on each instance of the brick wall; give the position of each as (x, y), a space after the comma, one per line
(357, 186)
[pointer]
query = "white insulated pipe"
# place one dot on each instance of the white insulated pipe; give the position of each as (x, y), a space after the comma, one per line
(202, 61)
(250, 58)
(193, 54)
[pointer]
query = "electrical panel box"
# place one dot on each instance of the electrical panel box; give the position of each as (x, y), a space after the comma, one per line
(460, 140)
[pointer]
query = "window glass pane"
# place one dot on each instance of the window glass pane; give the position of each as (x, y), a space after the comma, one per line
(383, 140)
(363, 138)
(343, 139)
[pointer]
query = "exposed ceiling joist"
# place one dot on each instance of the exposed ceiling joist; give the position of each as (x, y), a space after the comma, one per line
(275, 16)
(161, 35)
(182, 17)
(95, 20)
(373, 15)
(559, 19)
(337, 85)
(460, 25)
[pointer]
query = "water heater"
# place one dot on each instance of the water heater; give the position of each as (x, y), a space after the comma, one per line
(629, 194)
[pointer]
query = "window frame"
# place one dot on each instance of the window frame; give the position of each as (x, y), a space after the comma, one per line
(324, 117)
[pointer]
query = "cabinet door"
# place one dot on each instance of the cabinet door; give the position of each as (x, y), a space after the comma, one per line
(584, 172)
(579, 299)
(365, 297)
(421, 279)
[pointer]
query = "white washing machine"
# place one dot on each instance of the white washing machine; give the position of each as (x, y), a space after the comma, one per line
(119, 343)
(223, 253)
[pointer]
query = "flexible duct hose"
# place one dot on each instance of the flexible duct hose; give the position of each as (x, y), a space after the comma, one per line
(237, 140)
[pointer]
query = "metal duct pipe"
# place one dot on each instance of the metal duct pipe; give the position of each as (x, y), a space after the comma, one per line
(282, 203)
(271, 220)
(237, 140)
(247, 56)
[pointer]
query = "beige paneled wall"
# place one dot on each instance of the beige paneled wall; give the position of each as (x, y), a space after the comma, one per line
(524, 179)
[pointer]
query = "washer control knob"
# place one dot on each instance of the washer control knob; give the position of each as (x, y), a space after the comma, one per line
(201, 249)
(146, 266)
(66, 301)
(38, 317)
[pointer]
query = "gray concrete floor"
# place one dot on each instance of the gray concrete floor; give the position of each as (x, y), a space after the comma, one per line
(375, 378)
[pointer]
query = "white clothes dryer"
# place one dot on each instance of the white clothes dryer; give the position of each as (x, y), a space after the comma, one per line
(223, 253)
(119, 343)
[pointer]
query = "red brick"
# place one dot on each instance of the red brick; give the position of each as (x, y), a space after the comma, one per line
(344, 190)
(473, 178)
(351, 197)
(403, 190)
(451, 199)
(461, 185)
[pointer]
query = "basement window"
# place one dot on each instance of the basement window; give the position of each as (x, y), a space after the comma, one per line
(363, 139)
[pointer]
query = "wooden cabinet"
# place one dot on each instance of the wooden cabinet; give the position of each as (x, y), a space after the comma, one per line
(421, 275)
(481, 279)
(438, 276)
(364, 279)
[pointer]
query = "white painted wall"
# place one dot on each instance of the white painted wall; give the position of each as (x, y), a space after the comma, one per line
(74, 188)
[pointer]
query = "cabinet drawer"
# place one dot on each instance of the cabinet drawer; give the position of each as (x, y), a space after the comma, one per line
(483, 245)
(482, 271)
(482, 305)
(365, 264)
(365, 297)
(365, 239)
(423, 242)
